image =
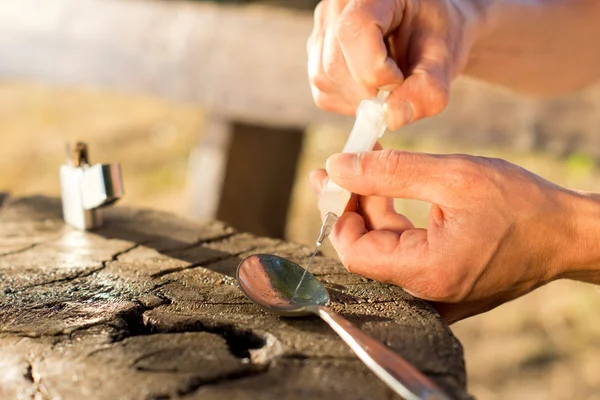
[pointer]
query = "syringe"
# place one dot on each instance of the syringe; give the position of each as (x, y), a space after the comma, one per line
(369, 126)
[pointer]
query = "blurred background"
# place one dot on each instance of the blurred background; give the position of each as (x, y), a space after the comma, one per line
(82, 75)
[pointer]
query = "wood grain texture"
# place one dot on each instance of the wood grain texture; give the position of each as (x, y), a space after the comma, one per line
(147, 307)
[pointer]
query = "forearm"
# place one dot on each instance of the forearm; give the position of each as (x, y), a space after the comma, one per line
(539, 47)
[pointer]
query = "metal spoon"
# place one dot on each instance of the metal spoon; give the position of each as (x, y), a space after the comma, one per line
(269, 281)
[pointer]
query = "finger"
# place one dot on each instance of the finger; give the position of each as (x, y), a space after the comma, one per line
(332, 85)
(336, 69)
(317, 177)
(380, 255)
(360, 32)
(314, 46)
(317, 180)
(425, 92)
(332, 102)
(398, 174)
(334, 63)
(379, 213)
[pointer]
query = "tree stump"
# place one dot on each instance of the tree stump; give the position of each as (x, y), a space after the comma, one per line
(147, 307)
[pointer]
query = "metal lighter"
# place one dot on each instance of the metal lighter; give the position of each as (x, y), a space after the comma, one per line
(85, 188)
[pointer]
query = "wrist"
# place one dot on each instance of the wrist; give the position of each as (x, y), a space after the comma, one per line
(581, 246)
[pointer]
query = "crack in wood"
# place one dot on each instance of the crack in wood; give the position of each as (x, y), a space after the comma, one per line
(21, 250)
(82, 274)
(63, 333)
(195, 383)
(106, 311)
(32, 376)
(202, 264)
(28, 374)
(28, 247)
(239, 341)
(202, 242)
(302, 357)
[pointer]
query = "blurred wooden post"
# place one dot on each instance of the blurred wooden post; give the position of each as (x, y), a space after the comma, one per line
(243, 174)
(260, 173)
(206, 168)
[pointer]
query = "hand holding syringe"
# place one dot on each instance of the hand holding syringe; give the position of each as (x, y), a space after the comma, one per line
(369, 126)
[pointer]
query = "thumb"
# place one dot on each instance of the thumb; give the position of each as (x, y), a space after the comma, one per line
(392, 173)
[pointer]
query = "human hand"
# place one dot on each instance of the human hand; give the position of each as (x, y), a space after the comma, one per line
(428, 40)
(495, 230)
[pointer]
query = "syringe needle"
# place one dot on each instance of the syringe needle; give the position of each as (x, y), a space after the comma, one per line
(305, 271)
(328, 223)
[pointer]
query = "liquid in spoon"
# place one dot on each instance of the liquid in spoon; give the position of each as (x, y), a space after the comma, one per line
(326, 228)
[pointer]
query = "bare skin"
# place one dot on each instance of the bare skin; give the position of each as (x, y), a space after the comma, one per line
(495, 231)
(415, 48)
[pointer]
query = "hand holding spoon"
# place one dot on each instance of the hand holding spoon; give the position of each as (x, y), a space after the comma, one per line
(270, 282)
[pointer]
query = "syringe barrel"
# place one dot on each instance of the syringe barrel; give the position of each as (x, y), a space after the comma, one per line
(369, 126)
(333, 199)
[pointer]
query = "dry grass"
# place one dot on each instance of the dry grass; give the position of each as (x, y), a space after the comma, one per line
(543, 346)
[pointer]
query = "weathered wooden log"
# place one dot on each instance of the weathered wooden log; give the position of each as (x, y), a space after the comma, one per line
(147, 307)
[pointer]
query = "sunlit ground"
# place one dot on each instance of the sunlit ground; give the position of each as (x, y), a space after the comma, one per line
(543, 346)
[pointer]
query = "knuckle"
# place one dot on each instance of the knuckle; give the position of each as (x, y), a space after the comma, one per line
(320, 81)
(345, 260)
(389, 163)
(348, 28)
(465, 174)
(349, 25)
(322, 101)
(331, 65)
(369, 78)
(388, 166)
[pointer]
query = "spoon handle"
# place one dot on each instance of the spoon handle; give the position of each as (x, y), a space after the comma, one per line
(396, 372)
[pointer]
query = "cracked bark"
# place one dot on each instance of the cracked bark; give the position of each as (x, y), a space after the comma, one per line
(201, 242)
(21, 250)
(125, 327)
(82, 274)
(32, 376)
(204, 264)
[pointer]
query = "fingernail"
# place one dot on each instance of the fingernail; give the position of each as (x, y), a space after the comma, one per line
(344, 165)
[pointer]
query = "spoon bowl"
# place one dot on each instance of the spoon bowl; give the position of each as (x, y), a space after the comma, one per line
(270, 282)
